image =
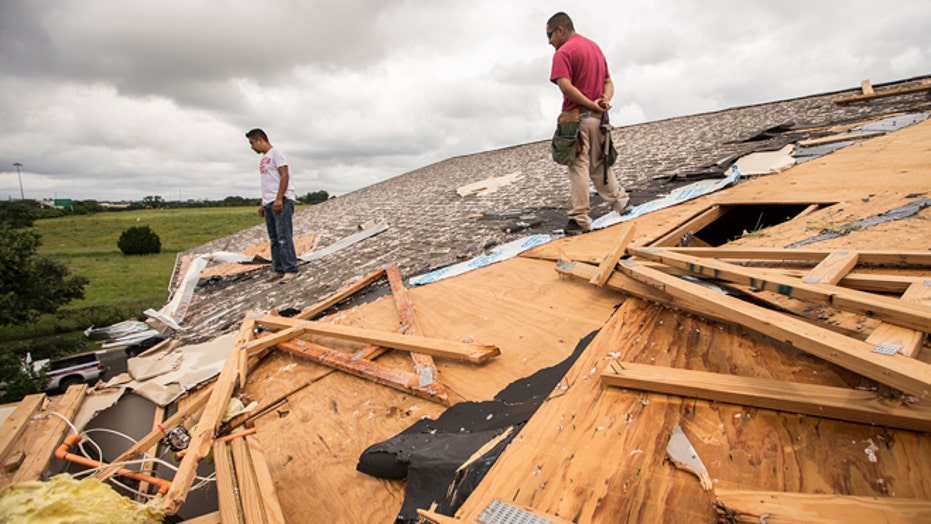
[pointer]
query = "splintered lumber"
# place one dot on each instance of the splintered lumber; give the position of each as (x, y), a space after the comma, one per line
(41, 451)
(148, 441)
(906, 314)
(625, 235)
(227, 499)
(203, 436)
(16, 423)
(339, 295)
(364, 368)
(248, 492)
(423, 364)
(897, 371)
(909, 340)
(267, 493)
(248, 326)
(292, 328)
(775, 507)
(851, 405)
(890, 258)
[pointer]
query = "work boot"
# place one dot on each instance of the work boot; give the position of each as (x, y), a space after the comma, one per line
(574, 228)
(275, 276)
(287, 278)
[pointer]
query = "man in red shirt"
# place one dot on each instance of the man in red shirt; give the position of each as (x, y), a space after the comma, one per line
(581, 72)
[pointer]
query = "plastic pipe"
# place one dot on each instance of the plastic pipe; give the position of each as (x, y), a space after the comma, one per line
(63, 453)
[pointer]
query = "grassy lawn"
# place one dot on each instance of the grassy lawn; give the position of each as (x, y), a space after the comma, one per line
(87, 244)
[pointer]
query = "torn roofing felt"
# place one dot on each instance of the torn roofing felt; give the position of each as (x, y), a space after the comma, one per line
(431, 454)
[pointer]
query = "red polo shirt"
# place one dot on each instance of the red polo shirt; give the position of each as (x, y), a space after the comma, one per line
(582, 62)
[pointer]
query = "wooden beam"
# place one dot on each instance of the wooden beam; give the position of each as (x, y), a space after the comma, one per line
(475, 353)
(909, 340)
(148, 468)
(266, 485)
(915, 316)
(340, 295)
(209, 518)
(695, 224)
(424, 366)
(886, 258)
(899, 372)
(148, 441)
(206, 431)
(380, 374)
(625, 235)
(227, 488)
(41, 451)
(866, 87)
(14, 426)
(925, 85)
(850, 405)
(248, 493)
(832, 269)
(806, 508)
(243, 355)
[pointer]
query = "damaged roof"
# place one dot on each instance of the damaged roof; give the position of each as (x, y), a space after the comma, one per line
(767, 398)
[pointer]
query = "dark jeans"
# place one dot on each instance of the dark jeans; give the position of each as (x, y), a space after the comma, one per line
(280, 236)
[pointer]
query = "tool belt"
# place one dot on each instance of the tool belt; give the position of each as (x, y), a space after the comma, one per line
(565, 144)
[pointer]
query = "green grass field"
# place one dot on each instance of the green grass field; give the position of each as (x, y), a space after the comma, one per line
(88, 245)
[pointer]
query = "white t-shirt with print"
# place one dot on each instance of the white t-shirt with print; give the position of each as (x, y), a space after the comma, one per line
(268, 168)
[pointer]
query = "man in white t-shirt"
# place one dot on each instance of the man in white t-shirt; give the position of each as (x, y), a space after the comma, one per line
(277, 205)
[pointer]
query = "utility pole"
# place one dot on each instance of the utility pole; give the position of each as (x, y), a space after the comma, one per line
(21, 194)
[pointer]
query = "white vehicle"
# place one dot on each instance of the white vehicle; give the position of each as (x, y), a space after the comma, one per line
(73, 369)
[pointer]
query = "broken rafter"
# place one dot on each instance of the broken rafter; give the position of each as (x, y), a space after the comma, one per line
(625, 235)
(378, 373)
(202, 438)
(925, 85)
(908, 375)
(909, 340)
(424, 366)
(40, 451)
(890, 258)
(339, 296)
(291, 328)
(851, 405)
(906, 314)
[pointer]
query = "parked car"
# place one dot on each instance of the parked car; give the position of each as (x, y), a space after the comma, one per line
(73, 369)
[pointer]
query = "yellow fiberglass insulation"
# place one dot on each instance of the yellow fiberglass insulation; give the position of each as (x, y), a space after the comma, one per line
(66, 500)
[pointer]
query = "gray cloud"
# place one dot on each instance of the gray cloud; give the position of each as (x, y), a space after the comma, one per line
(109, 99)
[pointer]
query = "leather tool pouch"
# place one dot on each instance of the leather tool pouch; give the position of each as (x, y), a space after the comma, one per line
(565, 145)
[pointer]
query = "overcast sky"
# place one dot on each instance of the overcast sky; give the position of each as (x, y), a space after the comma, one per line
(116, 99)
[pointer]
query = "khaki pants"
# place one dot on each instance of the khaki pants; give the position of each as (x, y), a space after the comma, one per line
(588, 166)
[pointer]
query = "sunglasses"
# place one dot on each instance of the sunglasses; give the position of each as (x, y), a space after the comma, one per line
(549, 34)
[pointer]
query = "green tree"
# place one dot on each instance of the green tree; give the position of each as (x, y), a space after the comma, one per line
(139, 240)
(32, 285)
(315, 197)
(18, 213)
(153, 202)
(18, 378)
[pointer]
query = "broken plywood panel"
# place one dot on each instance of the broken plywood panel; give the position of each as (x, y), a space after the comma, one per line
(591, 452)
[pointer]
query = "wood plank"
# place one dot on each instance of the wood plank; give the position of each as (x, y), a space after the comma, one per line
(475, 353)
(14, 426)
(149, 468)
(249, 495)
(925, 85)
(843, 137)
(806, 508)
(695, 224)
(380, 374)
(624, 235)
(227, 487)
(209, 518)
(266, 487)
(832, 269)
(866, 87)
(851, 405)
(340, 295)
(203, 435)
(915, 316)
(897, 371)
(197, 401)
(910, 340)
(243, 353)
(921, 259)
(424, 366)
(41, 451)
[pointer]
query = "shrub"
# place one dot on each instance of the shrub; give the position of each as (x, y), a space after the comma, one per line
(139, 240)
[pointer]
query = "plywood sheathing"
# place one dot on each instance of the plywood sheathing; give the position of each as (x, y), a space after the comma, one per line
(536, 319)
